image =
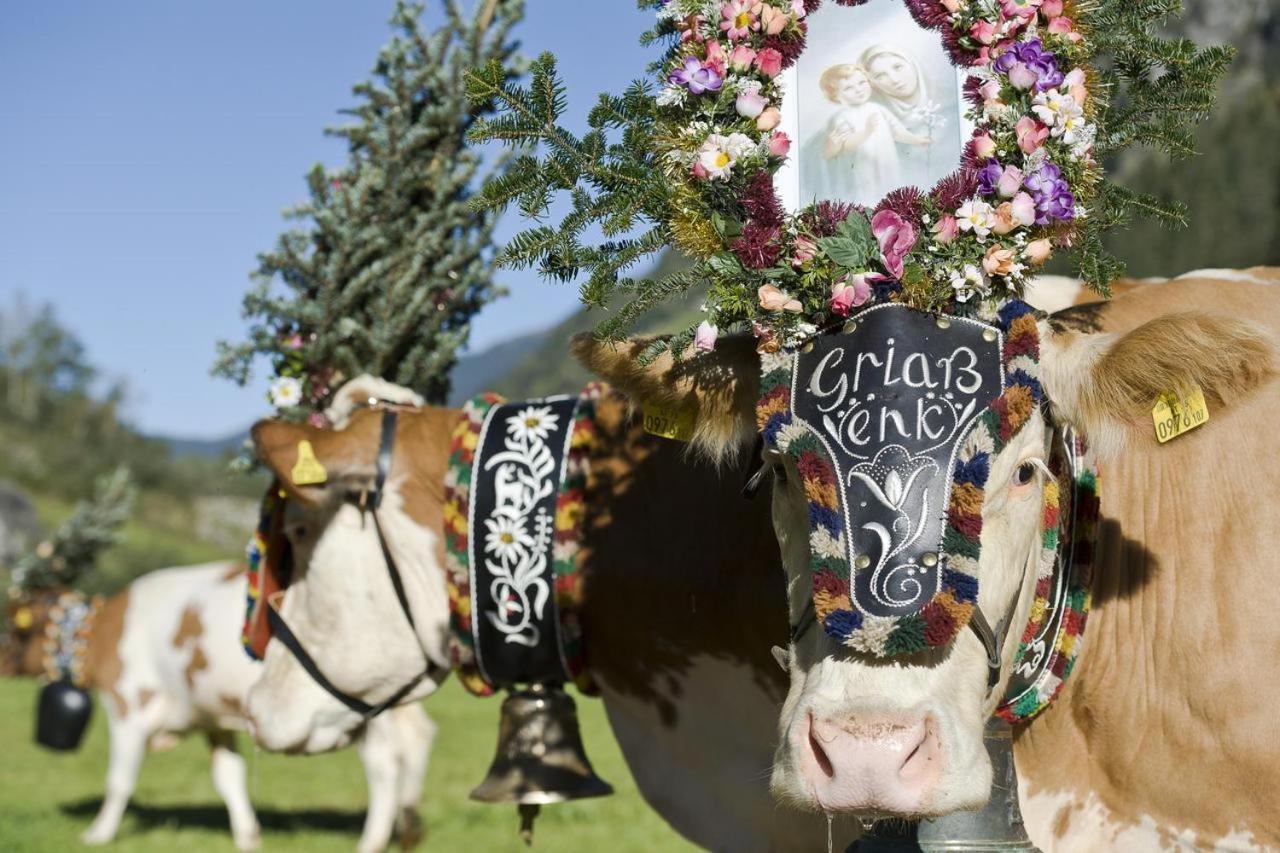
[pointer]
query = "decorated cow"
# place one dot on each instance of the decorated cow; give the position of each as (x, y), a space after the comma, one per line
(164, 655)
(893, 554)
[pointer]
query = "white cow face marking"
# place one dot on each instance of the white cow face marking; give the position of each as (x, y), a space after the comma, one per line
(904, 736)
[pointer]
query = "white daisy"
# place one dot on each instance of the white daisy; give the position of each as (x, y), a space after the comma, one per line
(285, 391)
(534, 422)
(977, 216)
(506, 538)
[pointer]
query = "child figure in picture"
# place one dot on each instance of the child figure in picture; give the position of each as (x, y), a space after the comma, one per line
(861, 150)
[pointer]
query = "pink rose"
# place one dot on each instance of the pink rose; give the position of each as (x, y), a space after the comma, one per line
(1075, 82)
(318, 420)
(741, 58)
(1039, 251)
(797, 9)
(849, 293)
(984, 147)
(998, 260)
(984, 32)
(1051, 9)
(700, 171)
(1031, 134)
(769, 61)
(952, 6)
(1010, 182)
(705, 338)
(716, 59)
(768, 339)
(1062, 26)
(946, 230)
(990, 90)
(773, 20)
(769, 119)
(1022, 77)
(779, 144)
(1020, 9)
(1004, 219)
(750, 103)
(896, 237)
(1023, 209)
(805, 251)
(773, 300)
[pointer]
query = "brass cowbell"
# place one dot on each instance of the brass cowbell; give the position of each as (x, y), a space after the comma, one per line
(540, 758)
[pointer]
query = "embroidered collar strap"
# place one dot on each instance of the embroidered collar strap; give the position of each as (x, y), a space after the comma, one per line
(937, 397)
(513, 525)
(1050, 643)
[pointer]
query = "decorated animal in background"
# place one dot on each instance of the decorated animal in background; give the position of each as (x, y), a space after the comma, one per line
(1140, 731)
(164, 655)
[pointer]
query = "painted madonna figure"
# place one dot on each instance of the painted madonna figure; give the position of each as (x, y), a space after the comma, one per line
(899, 83)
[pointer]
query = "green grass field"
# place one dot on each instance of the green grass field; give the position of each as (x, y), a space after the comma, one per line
(313, 804)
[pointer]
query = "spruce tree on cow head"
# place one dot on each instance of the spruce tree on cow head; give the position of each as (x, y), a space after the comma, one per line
(389, 261)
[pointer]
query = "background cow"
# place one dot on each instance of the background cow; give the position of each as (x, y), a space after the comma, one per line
(1174, 694)
(164, 655)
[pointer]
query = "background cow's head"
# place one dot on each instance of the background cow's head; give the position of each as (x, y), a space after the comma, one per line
(22, 645)
(340, 602)
(902, 734)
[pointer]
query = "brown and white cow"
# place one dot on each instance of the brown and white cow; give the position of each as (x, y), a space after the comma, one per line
(164, 655)
(1166, 736)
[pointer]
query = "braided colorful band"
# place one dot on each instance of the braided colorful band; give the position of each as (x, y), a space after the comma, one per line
(938, 621)
(1051, 642)
(66, 636)
(566, 538)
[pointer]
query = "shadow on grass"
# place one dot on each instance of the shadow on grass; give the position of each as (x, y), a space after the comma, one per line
(215, 817)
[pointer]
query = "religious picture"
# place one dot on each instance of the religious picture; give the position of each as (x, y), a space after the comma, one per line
(874, 104)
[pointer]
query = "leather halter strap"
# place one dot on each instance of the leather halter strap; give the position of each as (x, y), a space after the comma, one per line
(368, 501)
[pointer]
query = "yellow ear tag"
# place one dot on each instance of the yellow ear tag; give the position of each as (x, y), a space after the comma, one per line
(307, 471)
(22, 620)
(1175, 415)
(668, 423)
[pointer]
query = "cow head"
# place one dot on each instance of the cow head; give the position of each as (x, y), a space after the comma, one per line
(869, 727)
(340, 602)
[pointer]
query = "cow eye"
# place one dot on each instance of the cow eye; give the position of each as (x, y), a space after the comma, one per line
(1025, 474)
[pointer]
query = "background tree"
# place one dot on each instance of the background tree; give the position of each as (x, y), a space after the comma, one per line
(391, 261)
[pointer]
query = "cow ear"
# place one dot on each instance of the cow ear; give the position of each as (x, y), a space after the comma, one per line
(718, 388)
(314, 464)
(1105, 385)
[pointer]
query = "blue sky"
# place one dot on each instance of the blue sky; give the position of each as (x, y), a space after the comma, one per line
(147, 149)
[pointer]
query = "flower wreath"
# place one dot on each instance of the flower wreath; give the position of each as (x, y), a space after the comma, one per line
(1027, 177)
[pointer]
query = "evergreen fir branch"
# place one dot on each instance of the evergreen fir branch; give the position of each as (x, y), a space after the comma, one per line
(73, 549)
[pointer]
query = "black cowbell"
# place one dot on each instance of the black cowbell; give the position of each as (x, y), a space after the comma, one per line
(62, 715)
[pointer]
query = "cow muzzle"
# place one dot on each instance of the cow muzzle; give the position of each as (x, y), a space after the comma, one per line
(872, 766)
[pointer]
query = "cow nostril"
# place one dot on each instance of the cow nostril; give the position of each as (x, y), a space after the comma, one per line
(819, 754)
(919, 763)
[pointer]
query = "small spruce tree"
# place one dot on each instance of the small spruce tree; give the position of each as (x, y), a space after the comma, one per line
(390, 262)
(72, 551)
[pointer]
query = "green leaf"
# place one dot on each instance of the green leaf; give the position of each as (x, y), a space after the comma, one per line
(847, 252)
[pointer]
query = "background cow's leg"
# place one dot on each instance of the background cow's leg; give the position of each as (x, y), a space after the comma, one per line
(128, 736)
(378, 747)
(416, 732)
(229, 779)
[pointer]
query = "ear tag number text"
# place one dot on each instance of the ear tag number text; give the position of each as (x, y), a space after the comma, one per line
(668, 423)
(1176, 415)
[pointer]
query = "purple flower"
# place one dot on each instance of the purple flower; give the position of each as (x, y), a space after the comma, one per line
(1041, 63)
(989, 177)
(1052, 195)
(696, 77)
